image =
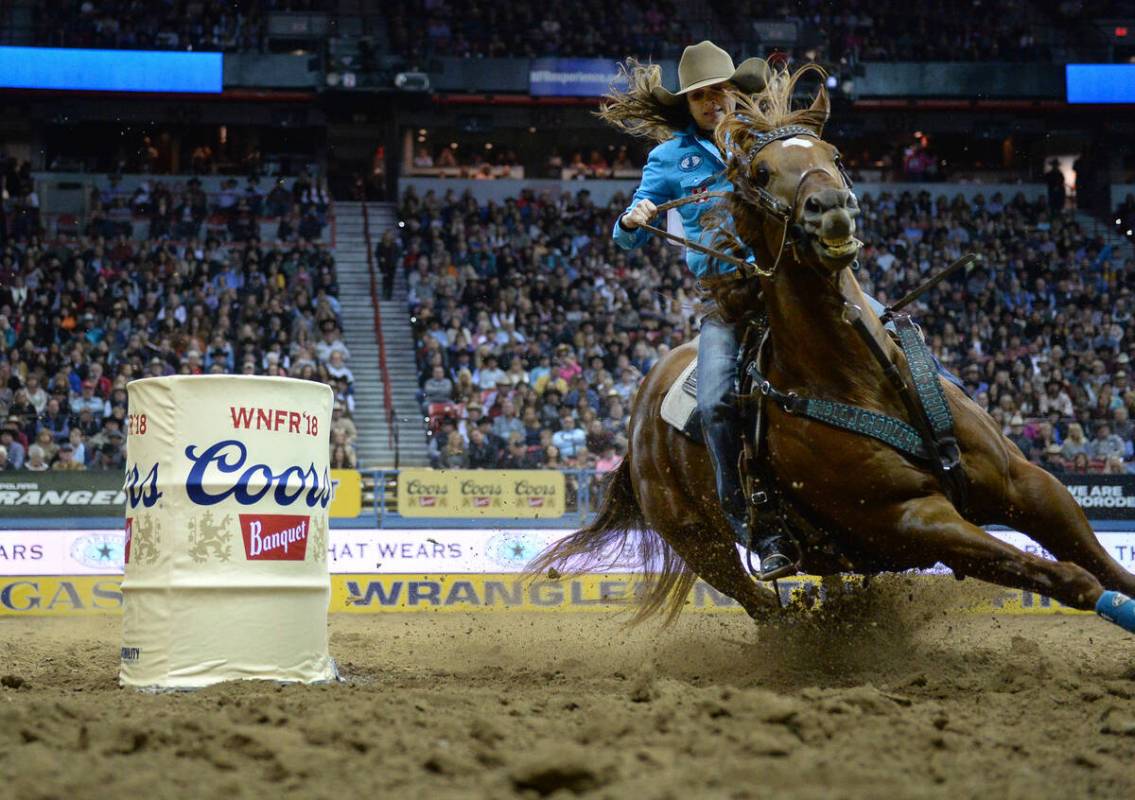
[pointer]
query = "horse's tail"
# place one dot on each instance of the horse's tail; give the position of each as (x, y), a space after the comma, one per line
(619, 536)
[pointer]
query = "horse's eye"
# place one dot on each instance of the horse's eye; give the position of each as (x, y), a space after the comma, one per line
(763, 175)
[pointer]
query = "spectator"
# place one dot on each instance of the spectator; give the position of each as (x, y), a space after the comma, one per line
(65, 460)
(1106, 444)
(12, 446)
(55, 422)
(337, 369)
(1075, 443)
(87, 401)
(454, 455)
(110, 457)
(516, 456)
(5, 464)
(37, 461)
(342, 457)
(482, 453)
(507, 424)
(1017, 435)
(330, 343)
(439, 388)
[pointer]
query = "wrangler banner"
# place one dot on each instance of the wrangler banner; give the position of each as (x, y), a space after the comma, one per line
(34, 596)
(62, 494)
(481, 493)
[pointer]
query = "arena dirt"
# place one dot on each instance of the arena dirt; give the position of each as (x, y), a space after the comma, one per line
(898, 696)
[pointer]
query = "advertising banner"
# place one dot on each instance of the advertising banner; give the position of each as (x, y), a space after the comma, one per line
(571, 77)
(34, 596)
(1103, 497)
(102, 552)
(93, 493)
(346, 493)
(518, 493)
(450, 551)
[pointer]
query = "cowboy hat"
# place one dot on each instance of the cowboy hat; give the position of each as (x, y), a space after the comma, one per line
(705, 64)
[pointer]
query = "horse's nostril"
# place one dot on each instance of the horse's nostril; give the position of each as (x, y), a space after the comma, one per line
(812, 204)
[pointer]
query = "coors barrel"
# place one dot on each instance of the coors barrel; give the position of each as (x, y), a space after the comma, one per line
(227, 488)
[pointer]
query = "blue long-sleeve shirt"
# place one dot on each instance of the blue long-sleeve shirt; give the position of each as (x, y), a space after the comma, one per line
(685, 165)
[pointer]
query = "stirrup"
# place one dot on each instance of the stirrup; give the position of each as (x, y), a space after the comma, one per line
(778, 566)
(775, 569)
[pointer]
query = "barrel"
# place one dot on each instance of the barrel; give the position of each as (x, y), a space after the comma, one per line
(227, 489)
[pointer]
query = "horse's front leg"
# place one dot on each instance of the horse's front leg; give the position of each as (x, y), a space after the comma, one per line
(930, 529)
(1041, 507)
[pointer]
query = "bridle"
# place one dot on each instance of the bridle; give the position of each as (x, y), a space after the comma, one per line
(765, 200)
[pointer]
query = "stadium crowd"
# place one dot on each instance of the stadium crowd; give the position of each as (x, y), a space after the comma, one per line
(231, 25)
(534, 329)
(81, 316)
(176, 210)
(891, 30)
(881, 30)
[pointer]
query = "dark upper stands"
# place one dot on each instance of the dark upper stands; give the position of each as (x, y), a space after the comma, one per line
(235, 25)
(889, 30)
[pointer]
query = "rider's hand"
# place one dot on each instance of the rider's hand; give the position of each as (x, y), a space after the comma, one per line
(643, 212)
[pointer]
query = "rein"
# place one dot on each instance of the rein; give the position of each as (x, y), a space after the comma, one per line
(746, 266)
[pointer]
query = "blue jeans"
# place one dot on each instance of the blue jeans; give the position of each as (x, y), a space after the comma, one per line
(717, 368)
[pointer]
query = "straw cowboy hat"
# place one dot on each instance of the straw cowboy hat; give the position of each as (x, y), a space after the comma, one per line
(704, 64)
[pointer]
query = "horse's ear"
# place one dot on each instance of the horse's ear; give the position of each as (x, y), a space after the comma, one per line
(817, 114)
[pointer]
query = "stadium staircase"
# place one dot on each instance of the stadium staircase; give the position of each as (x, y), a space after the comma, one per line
(376, 443)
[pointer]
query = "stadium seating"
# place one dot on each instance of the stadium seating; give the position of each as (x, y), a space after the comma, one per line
(530, 303)
(924, 30)
(82, 315)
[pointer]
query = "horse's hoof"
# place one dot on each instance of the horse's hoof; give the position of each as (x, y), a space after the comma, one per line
(1118, 608)
(776, 566)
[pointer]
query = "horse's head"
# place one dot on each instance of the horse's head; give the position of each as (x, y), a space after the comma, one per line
(790, 189)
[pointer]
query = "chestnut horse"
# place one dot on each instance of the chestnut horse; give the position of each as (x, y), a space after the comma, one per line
(877, 505)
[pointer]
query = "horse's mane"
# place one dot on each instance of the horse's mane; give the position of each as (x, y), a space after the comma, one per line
(771, 108)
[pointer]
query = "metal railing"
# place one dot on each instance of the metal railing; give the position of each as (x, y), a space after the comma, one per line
(387, 395)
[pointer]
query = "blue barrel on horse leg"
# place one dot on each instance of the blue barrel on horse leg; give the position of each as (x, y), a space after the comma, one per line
(1118, 608)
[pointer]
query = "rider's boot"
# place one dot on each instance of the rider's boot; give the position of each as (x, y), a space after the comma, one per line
(775, 550)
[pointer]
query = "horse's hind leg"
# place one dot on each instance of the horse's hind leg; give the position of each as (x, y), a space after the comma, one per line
(1043, 509)
(930, 528)
(716, 561)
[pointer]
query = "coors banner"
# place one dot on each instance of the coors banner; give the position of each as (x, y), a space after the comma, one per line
(227, 488)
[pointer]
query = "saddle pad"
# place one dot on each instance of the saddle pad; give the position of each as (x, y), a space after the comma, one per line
(680, 405)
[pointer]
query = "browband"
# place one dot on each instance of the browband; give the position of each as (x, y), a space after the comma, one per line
(763, 140)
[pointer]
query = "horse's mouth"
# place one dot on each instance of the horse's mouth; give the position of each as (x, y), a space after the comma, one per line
(839, 248)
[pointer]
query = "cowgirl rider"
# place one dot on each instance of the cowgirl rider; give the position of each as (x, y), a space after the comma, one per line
(687, 161)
